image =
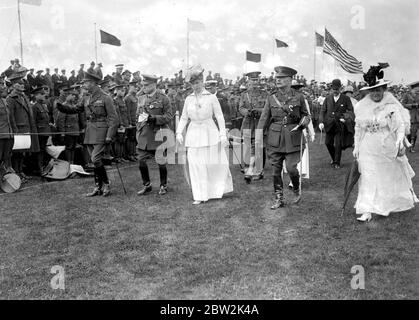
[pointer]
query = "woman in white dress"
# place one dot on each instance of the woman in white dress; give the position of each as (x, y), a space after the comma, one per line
(209, 170)
(385, 184)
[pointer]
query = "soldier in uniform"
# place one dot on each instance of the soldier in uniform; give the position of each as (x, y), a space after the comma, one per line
(154, 113)
(211, 86)
(411, 102)
(251, 106)
(122, 112)
(21, 110)
(118, 74)
(101, 125)
(285, 115)
(70, 123)
(126, 77)
(43, 120)
(131, 102)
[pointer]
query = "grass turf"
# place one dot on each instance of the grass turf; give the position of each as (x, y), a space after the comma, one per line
(130, 247)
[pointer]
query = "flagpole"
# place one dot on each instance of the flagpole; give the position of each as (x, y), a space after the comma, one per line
(95, 43)
(315, 45)
(20, 32)
(187, 43)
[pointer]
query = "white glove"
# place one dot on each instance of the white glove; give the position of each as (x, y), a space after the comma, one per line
(312, 137)
(321, 126)
(400, 145)
(342, 120)
(179, 138)
(223, 141)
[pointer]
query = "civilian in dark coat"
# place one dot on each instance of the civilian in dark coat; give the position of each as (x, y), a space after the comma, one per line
(336, 114)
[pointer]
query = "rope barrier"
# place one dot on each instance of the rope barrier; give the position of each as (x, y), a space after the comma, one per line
(51, 133)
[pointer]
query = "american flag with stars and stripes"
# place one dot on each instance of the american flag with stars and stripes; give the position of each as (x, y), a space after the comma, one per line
(347, 62)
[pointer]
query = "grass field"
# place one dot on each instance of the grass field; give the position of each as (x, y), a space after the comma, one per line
(127, 247)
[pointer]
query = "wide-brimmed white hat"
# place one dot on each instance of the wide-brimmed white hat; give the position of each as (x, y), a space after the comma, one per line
(375, 77)
(379, 83)
(194, 72)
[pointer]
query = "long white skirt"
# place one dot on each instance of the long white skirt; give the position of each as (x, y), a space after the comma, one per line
(385, 184)
(209, 172)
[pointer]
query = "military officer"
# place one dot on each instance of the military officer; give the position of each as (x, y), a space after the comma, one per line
(411, 102)
(71, 124)
(154, 113)
(43, 120)
(131, 102)
(118, 74)
(21, 110)
(211, 86)
(251, 106)
(101, 125)
(122, 112)
(285, 114)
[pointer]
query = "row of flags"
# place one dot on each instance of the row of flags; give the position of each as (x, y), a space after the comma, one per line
(330, 46)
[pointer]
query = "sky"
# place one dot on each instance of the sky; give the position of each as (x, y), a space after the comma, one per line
(61, 34)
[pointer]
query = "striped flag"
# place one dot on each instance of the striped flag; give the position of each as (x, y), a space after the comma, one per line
(347, 62)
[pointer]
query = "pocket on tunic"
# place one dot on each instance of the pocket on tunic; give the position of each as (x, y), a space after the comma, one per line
(274, 134)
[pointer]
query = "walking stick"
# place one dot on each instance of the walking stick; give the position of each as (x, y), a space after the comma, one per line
(237, 158)
(120, 177)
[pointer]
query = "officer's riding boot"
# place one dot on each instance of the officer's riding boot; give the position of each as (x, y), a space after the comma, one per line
(106, 185)
(163, 180)
(69, 155)
(97, 191)
(296, 189)
(279, 194)
(146, 179)
(249, 173)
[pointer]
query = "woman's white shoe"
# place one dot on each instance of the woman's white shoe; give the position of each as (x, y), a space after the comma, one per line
(197, 202)
(366, 217)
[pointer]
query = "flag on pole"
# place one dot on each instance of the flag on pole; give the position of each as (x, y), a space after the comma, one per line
(280, 44)
(254, 57)
(194, 25)
(109, 39)
(319, 40)
(31, 2)
(346, 61)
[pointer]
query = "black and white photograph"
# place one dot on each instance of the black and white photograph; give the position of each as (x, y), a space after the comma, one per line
(224, 150)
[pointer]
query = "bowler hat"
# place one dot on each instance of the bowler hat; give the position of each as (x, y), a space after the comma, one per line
(336, 84)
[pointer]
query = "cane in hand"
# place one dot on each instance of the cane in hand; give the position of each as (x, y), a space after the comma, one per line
(120, 177)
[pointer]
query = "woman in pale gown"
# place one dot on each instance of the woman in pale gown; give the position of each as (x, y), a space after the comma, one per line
(385, 184)
(209, 170)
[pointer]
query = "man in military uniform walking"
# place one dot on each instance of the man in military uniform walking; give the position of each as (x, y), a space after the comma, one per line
(411, 102)
(251, 106)
(286, 115)
(101, 125)
(154, 113)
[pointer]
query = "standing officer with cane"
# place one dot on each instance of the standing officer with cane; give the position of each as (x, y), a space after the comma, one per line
(285, 114)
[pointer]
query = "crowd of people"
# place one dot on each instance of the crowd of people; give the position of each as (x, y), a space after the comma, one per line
(118, 118)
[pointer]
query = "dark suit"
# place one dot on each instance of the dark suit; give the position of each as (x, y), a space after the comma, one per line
(330, 115)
